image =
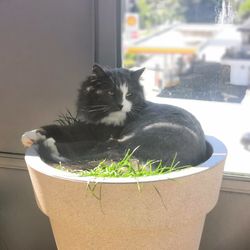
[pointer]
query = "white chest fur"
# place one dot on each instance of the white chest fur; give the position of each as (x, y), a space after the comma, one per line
(115, 118)
(118, 117)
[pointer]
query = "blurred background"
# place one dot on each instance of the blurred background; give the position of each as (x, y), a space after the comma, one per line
(193, 49)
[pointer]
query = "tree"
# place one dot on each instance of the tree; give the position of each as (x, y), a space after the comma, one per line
(156, 12)
(244, 9)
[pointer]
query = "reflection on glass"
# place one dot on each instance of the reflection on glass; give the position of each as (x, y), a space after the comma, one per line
(196, 49)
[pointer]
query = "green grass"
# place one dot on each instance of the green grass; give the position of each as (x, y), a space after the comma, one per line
(67, 119)
(127, 167)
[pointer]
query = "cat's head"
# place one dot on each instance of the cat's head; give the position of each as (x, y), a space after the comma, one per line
(110, 96)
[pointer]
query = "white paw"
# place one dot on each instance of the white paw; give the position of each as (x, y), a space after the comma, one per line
(50, 143)
(30, 137)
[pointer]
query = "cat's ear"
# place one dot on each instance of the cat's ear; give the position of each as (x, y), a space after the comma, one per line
(137, 74)
(98, 70)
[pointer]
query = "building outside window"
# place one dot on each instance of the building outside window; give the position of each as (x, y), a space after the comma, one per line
(196, 55)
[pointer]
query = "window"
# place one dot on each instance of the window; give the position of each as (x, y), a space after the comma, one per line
(197, 55)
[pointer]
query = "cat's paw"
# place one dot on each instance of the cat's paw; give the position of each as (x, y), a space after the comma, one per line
(52, 151)
(31, 137)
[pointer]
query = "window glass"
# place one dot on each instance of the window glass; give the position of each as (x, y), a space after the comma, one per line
(197, 55)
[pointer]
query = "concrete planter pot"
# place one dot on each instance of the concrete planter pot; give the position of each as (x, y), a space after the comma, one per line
(158, 212)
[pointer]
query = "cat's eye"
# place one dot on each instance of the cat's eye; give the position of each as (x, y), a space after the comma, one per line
(111, 92)
(129, 94)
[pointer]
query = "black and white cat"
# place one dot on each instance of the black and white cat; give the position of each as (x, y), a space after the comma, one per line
(114, 117)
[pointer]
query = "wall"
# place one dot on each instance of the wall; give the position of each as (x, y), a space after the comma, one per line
(46, 50)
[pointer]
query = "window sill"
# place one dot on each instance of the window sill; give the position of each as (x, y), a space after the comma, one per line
(233, 183)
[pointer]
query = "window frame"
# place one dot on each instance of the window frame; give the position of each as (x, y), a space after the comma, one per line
(108, 30)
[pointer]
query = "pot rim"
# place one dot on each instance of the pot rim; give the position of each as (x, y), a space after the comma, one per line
(219, 153)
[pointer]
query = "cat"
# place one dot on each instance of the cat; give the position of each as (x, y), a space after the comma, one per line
(114, 116)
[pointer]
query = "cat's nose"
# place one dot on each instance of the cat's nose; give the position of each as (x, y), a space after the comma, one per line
(120, 106)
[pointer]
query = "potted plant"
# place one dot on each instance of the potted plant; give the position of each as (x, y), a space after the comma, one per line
(164, 211)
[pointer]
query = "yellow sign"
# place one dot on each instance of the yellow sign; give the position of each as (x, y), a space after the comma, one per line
(157, 50)
(131, 20)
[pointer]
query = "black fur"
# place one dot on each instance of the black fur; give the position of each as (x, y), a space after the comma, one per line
(161, 131)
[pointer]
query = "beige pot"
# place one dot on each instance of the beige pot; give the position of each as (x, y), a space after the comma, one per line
(156, 212)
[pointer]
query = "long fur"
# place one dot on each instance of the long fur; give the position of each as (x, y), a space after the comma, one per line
(114, 117)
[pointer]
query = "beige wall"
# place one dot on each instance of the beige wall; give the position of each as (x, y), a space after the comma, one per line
(46, 49)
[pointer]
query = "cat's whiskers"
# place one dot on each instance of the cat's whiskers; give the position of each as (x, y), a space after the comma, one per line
(102, 108)
(97, 110)
(101, 105)
(134, 111)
